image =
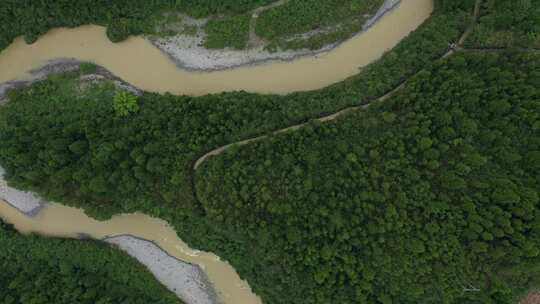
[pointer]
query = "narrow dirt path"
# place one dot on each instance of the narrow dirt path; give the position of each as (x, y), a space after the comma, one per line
(331, 117)
(469, 30)
(294, 127)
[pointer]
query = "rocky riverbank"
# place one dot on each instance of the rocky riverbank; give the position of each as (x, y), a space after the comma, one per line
(189, 282)
(26, 202)
(59, 66)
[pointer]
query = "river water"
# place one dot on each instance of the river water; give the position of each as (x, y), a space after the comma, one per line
(144, 66)
(56, 220)
(141, 64)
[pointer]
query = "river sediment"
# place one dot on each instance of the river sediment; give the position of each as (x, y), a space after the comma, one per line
(26, 202)
(186, 280)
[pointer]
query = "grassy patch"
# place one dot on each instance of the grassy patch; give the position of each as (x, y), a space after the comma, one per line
(87, 68)
(318, 40)
(301, 16)
(231, 31)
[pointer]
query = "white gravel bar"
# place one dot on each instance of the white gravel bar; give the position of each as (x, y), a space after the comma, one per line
(188, 52)
(26, 202)
(187, 281)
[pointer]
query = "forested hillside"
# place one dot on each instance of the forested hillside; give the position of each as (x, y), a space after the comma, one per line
(431, 197)
(44, 271)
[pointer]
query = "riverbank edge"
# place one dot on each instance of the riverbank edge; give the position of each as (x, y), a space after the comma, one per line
(64, 65)
(192, 278)
(205, 60)
(195, 288)
(25, 202)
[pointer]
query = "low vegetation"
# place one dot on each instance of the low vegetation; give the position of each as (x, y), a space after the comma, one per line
(227, 32)
(280, 24)
(41, 271)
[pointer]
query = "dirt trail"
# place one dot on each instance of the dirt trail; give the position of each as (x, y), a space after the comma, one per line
(475, 20)
(331, 117)
(294, 127)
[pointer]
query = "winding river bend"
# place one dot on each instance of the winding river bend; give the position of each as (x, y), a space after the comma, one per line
(56, 220)
(141, 64)
(138, 62)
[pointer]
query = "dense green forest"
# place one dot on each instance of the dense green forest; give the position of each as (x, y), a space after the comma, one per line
(415, 200)
(44, 271)
(508, 23)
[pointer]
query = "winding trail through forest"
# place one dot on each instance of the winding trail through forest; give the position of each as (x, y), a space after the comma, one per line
(451, 51)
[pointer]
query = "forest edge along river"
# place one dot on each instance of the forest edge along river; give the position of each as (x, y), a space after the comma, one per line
(139, 63)
(56, 220)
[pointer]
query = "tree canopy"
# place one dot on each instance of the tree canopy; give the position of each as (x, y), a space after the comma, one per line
(430, 197)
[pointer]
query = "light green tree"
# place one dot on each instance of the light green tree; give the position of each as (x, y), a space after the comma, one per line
(125, 103)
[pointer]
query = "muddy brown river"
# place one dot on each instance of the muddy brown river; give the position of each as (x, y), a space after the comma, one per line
(141, 64)
(56, 220)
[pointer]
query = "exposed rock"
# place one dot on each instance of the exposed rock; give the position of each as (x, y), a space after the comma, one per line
(187, 281)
